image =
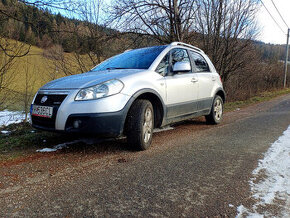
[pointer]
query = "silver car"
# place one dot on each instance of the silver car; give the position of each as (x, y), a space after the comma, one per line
(132, 93)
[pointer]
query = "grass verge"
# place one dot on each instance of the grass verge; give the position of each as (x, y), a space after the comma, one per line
(265, 96)
(23, 139)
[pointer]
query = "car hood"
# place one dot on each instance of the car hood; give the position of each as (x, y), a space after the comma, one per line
(88, 79)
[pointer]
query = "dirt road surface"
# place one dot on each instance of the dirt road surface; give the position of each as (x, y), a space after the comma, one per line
(194, 170)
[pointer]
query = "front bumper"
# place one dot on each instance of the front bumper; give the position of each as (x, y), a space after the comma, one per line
(99, 124)
(103, 117)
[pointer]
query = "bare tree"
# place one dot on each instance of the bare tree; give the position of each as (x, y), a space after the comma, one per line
(164, 20)
(91, 34)
(65, 64)
(28, 91)
(11, 50)
(223, 28)
(226, 29)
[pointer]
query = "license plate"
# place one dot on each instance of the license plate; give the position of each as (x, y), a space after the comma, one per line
(42, 111)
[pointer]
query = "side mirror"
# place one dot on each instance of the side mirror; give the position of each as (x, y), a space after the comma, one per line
(181, 67)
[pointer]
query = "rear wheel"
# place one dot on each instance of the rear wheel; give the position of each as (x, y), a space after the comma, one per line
(216, 114)
(140, 124)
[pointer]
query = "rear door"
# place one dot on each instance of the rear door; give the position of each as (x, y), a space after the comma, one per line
(206, 80)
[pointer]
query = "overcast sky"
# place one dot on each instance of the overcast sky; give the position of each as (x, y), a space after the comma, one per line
(269, 32)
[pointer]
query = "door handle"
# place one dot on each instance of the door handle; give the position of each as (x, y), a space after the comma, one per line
(194, 80)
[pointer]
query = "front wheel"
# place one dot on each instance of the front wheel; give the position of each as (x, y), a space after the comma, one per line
(140, 124)
(216, 114)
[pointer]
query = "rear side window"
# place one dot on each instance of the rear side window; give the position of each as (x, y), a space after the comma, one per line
(200, 63)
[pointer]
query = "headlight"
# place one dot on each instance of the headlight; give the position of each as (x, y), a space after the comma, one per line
(102, 90)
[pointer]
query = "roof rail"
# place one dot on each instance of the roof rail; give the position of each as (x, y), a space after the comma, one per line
(186, 45)
(128, 50)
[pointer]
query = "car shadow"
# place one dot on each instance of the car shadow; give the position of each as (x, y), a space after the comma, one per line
(90, 144)
(196, 122)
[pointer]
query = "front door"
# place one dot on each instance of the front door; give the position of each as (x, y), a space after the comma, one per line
(181, 87)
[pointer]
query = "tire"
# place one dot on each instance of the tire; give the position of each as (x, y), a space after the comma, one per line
(140, 124)
(216, 114)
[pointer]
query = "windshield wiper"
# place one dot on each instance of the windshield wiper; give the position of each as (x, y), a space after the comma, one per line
(115, 68)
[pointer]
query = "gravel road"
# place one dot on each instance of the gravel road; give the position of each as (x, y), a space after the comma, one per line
(194, 170)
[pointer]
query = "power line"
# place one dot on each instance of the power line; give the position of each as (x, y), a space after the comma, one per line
(280, 14)
(272, 17)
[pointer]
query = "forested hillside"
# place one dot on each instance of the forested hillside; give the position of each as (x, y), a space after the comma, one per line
(38, 27)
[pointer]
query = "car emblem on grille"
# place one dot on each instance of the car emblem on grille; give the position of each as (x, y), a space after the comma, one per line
(44, 99)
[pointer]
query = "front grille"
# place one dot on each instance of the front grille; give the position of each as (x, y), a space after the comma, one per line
(52, 101)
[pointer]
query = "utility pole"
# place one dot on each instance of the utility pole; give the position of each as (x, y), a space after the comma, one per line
(286, 58)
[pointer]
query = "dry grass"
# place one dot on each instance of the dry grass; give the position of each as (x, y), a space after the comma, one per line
(265, 96)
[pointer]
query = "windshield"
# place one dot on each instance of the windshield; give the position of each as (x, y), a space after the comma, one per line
(135, 59)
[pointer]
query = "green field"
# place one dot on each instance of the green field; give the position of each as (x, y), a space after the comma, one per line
(36, 69)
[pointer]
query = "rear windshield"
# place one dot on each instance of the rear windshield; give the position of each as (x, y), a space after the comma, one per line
(135, 59)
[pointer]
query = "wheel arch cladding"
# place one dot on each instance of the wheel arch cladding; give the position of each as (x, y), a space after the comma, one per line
(156, 101)
(222, 94)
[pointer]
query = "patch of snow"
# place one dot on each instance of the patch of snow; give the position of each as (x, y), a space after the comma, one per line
(59, 146)
(230, 205)
(10, 117)
(241, 210)
(163, 129)
(46, 150)
(244, 212)
(276, 185)
(5, 132)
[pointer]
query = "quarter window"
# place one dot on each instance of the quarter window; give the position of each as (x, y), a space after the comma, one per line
(200, 63)
(163, 65)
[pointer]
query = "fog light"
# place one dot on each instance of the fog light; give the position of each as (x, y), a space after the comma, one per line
(77, 124)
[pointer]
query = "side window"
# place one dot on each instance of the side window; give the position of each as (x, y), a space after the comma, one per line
(200, 63)
(179, 55)
(163, 65)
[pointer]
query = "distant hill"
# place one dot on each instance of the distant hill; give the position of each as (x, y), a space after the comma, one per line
(270, 52)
